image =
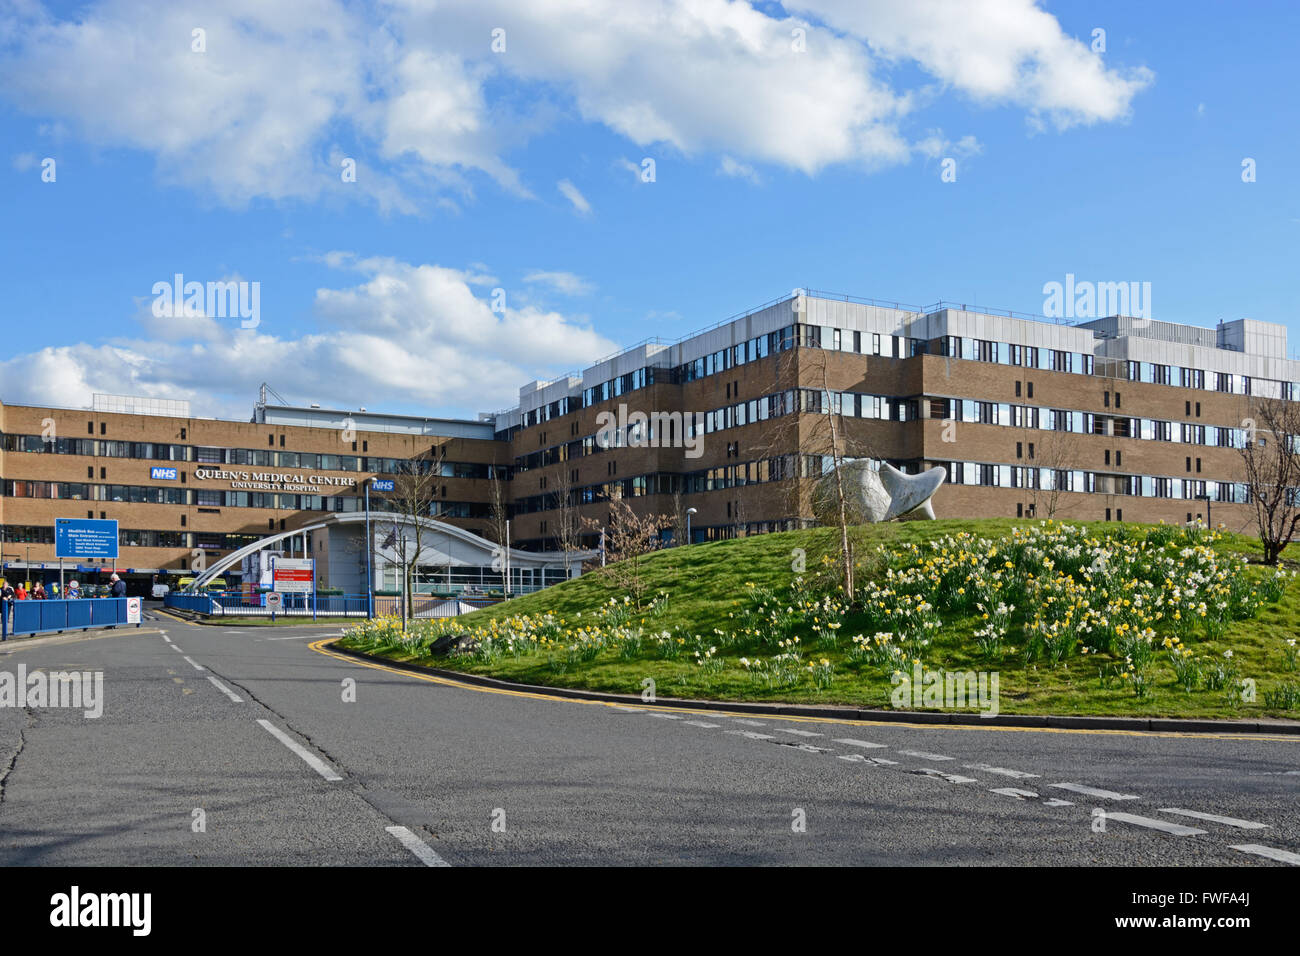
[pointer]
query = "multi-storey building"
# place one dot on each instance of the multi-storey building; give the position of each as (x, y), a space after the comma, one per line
(1115, 419)
(1112, 419)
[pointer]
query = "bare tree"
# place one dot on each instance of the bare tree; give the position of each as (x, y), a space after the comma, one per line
(1271, 456)
(629, 537)
(1058, 451)
(403, 511)
(679, 519)
(498, 506)
(568, 525)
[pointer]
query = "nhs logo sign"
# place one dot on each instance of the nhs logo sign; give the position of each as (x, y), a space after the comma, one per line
(383, 484)
(162, 474)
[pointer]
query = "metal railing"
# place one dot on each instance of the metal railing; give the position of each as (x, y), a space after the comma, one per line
(69, 614)
(243, 604)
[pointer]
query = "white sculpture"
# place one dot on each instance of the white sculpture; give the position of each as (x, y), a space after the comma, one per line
(873, 496)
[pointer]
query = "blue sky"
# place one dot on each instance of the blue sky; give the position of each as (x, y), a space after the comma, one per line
(774, 168)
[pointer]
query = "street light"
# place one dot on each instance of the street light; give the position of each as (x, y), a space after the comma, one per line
(370, 581)
(689, 512)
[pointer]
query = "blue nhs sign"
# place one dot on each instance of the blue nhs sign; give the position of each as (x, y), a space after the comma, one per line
(383, 484)
(162, 474)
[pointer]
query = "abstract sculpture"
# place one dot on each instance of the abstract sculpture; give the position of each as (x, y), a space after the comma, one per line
(871, 496)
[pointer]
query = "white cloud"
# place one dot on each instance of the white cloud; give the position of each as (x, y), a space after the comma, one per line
(730, 167)
(24, 161)
(405, 336)
(565, 282)
(572, 194)
(285, 91)
(995, 51)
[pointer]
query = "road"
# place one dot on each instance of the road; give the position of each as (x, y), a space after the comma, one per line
(249, 732)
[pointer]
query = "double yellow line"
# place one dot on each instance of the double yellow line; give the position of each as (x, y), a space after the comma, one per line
(321, 647)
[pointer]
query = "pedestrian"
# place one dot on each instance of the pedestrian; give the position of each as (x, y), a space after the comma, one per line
(119, 587)
(74, 591)
(38, 592)
(6, 597)
(20, 592)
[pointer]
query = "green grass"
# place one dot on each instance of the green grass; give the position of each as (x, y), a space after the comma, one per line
(706, 584)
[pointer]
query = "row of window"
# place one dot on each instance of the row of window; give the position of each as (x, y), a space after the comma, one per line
(1088, 482)
(205, 498)
(894, 346)
(255, 458)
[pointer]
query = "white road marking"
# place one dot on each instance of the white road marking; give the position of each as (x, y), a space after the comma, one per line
(752, 735)
(856, 743)
(950, 777)
(923, 755)
(167, 639)
(1164, 826)
(1055, 802)
(1001, 771)
(423, 852)
(294, 637)
(630, 710)
(807, 748)
(664, 716)
(1093, 791)
(176, 647)
(883, 762)
(197, 667)
(1015, 792)
(225, 690)
(752, 723)
(799, 733)
(702, 723)
(852, 758)
(241, 632)
(1272, 852)
(1215, 818)
(310, 758)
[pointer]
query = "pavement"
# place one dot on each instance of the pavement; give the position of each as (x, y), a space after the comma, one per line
(251, 746)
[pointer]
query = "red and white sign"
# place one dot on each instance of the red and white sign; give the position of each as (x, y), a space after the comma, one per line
(293, 575)
(133, 610)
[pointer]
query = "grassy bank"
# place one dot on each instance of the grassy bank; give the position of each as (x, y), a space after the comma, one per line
(1084, 619)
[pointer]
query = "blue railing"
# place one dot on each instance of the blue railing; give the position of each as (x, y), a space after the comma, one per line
(242, 604)
(37, 617)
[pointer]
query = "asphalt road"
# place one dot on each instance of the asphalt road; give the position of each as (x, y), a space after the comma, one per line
(248, 732)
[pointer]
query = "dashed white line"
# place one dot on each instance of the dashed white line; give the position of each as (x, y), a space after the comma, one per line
(166, 638)
(857, 743)
(423, 852)
(225, 690)
(883, 762)
(176, 647)
(752, 723)
(308, 757)
(702, 723)
(1001, 771)
(852, 758)
(1215, 818)
(799, 733)
(752, 735)
(197, 667)
(1057, 802)
(923, 755)
(1015, 792)
(1093, 791)
(630, 710)
(1164, 826)
(950, 777)
(1272, 852)
(655, 713)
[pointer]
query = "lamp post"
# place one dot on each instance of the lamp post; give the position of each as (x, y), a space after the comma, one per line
(689, 512)
(370, 543)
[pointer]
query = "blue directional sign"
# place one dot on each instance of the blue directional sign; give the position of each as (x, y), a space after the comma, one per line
(85, 538)
(162, 474)
(383, 484)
